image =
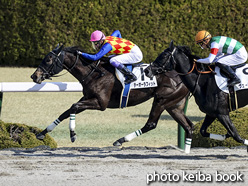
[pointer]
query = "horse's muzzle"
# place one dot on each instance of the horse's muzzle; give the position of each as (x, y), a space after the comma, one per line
(148, 72)
(38, 76)
(36, 79)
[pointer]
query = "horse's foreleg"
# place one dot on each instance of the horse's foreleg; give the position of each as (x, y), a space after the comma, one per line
(208, 120)
(55, 123)
(72, 125)
(231, 129)
(78, 107)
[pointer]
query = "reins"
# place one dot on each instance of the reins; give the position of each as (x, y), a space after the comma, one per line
(48, 73)
(192, 69)
(195, 67)
(68, 69)
(95, 68)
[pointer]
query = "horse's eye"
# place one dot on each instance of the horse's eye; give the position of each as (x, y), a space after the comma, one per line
(49, 60)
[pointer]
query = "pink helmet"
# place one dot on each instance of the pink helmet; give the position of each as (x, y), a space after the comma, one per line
(97, 36)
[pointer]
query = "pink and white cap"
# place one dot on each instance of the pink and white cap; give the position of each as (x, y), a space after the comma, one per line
(97, 36)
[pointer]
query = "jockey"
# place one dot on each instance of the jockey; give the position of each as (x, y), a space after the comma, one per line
(124, 52)
(225, 51)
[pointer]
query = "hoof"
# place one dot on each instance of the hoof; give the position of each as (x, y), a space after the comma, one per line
(40, 136)
(117, 143)
(73, 138)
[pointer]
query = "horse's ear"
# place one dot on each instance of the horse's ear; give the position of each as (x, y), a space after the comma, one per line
(58, 49)
(171, 45)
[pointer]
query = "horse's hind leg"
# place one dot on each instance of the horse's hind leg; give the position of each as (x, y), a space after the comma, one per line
(227, 123)
(148, 126)
(206, 123)
(151, 124)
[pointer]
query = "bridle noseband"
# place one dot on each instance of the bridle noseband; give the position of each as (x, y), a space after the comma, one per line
(47, 74)
(191, 70)
(161, 68)
(193, 67)
(58, 61)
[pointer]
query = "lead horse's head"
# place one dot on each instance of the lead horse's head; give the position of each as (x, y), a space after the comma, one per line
(164, 62)
(52, 64)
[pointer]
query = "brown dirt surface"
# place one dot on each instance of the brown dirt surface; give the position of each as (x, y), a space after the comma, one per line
(113, 166)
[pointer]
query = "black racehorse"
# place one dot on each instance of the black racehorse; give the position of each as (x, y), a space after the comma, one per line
(210, 99)
(102, 89)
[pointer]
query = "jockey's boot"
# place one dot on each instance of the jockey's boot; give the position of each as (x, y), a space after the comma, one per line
(233, 78)
(130, 77)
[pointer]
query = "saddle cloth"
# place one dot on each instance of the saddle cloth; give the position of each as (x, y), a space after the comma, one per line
(142, 82)
(241, 72)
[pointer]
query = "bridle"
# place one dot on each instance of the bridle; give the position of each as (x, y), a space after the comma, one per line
(58, 61)
(172, 61)
(94, 68)
(193, 67)
(47, 74)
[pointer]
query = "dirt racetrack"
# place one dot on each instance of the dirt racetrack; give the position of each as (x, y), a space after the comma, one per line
(127, 166)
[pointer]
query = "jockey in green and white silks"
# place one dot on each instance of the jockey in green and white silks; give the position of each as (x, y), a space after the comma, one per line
(225, 52)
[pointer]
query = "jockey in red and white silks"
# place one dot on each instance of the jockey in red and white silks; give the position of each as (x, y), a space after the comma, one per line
(124, 52)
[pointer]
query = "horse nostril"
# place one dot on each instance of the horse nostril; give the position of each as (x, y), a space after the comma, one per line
(33, 76)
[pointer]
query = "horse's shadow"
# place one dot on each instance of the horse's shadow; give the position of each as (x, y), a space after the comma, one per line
(168, 117)
(119, 153)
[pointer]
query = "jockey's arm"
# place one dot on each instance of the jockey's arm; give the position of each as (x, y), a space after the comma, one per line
(103, 51)
(207, 60)
(211, 57)
(213, 54)
(116, 33)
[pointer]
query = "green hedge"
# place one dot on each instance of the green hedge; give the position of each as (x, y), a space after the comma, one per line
(30, 29)
(20, 135)
(239, 119)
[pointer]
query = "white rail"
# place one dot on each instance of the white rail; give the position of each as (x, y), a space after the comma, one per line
(43, 87)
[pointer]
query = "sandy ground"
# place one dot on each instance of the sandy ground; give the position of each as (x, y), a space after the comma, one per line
(130, 166)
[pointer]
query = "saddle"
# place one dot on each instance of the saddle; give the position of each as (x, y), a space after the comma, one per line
(241, 71)
(142, 81)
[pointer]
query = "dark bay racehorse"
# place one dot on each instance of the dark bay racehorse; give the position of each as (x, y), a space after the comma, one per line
(210, 99)
(102, 89)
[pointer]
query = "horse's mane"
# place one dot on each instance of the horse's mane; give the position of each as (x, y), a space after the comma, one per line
(186, 50)
(74, 49)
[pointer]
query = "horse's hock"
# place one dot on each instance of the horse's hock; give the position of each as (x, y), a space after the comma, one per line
(20, 135)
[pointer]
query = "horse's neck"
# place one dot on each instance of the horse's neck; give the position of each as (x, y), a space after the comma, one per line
(194, 81)
(74, 65)
(85, 71)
